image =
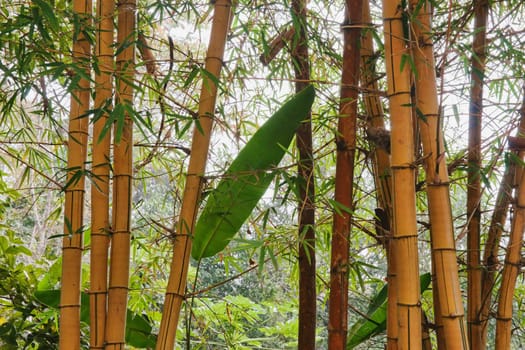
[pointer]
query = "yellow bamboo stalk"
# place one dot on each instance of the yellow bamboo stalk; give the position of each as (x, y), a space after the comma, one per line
(175, 292)
(69, 328)
(381, 166)
(513, 263)
(100, 226)
(122, 182)
(451, 312)
(403, 178)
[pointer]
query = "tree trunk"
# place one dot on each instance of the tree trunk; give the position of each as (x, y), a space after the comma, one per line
(200, 145)
(450, 310)
(344, 178)
(405, 246)
(474, 168)
(100, 227)
(306, 207)
(122, 180)
(74, 190)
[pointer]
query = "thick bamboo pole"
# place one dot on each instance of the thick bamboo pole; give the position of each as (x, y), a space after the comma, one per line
(74, 191)
(175, 292)
(403, 178)
(306, 206)
(475, 328)
(115, 332)
(344, 177)
(381, 166)
(445, 268)
(100, 226)
(513, 259)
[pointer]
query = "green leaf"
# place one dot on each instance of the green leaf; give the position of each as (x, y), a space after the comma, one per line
(47, 11)
(52, 277)
(248, 177)
(138, 331)
(375, 322)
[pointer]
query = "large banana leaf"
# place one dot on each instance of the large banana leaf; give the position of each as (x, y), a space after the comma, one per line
(248, 177)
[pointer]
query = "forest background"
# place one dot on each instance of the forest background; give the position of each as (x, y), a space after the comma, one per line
(276, 284)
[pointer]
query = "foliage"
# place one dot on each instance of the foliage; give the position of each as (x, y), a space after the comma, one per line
(25, 322)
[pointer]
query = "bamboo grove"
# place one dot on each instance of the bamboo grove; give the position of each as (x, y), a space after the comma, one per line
(251, 174)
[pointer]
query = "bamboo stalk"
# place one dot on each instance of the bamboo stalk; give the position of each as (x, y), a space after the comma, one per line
(100, 226)
(375, 115)
(72, 243)
(344, 177)
(306, 206)
(473, 180)
(381, 167)
(450, 309)
(492, 244)
(276, 45)
(513, 259)
(175, 292)
(115, 332)
(405, 247)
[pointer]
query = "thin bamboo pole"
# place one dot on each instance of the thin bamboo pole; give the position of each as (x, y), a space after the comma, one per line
(115, 332)
(381, 166)
(513, 259)
(306, 206)
(474, 183)
(450, 310)
(175, 292)
(375, 115)
(492, 244)
(72, 243)
(100, 226)
(344, 177)
(405, 248)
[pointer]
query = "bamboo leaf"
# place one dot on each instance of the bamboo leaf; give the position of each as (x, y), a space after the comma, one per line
(248, 177)
(191, 76)
(47, 11)
(375, 322)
